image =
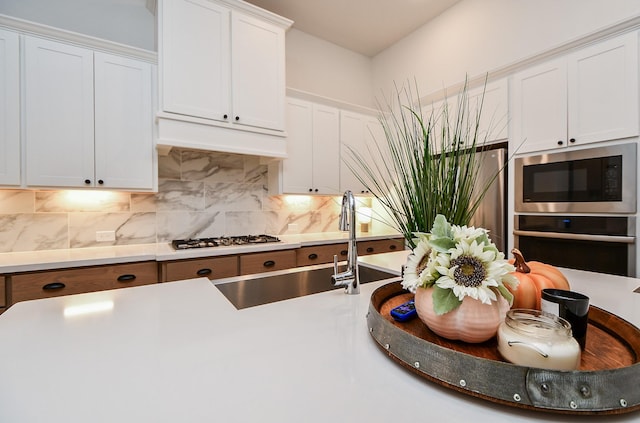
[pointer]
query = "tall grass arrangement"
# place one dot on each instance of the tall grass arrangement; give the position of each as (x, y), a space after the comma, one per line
(426, 165)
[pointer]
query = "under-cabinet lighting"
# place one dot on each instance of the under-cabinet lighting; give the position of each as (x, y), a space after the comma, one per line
(88, 308)
(297, 200)
(88, 197)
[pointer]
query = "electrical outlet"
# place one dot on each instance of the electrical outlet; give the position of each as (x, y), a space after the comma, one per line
(105, 236)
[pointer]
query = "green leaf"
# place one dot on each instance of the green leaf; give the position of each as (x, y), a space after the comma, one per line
(506, 294)
(444, 300)
(442, 245)
(441, 228)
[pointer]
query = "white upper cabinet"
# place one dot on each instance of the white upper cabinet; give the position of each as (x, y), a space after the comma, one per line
(258, 74)
(222, 77)
(493, 98)
(490, 100)
(195, 59)
(9, 108)
(59, 114)
(312, 166)
(124, 150)
(603, 90)
(361, 133)
(69, 143)
(587, 96)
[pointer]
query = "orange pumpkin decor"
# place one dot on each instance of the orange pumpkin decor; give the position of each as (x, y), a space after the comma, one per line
(534, 277)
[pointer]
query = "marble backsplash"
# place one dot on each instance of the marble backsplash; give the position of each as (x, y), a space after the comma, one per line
(200, 194)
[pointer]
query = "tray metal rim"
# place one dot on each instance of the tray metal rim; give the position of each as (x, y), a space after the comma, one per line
(605, 391)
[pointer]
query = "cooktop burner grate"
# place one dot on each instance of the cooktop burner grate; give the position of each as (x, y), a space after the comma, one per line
(183, 244)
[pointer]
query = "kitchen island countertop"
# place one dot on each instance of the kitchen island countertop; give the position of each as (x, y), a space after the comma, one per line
(179, 351)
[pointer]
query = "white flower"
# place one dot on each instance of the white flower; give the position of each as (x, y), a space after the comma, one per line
(472, 268)
(416, 265)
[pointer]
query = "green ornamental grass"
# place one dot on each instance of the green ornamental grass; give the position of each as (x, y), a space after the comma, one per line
(426, 165)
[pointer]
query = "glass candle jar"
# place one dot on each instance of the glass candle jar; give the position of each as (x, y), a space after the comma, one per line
(533, 338)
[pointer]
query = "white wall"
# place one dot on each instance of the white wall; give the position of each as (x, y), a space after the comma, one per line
(325, 69)
(477, 36)
(125, 21)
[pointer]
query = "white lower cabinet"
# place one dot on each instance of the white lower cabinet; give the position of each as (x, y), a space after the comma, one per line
(86, 124)
(312, 165)
(9, 108)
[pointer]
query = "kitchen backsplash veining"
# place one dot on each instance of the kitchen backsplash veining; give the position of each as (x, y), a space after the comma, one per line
(200, 194)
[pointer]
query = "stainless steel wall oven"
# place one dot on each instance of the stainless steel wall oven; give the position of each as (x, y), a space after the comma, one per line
(604, 244)
(577, 208)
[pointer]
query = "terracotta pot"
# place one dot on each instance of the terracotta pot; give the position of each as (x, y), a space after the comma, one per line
(471, 322)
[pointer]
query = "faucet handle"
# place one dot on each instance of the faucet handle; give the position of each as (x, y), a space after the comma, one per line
(335, 264)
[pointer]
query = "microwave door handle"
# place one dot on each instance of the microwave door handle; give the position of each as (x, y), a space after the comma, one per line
(581, 237)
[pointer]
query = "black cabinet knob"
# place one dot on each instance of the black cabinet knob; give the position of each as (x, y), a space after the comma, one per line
(225, 116)
(237, 118)
(369, 249)
(100, 181)
(316, 190)
(393, 246)
(343, 252)
(572, 140)
(87, 181)
(269, 263)
(126, 278)
(310, 189)
(53, 286)
(313, 256)
(204, 272)
(560, 142)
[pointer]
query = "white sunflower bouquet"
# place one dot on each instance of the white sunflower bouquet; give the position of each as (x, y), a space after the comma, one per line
(458, 261)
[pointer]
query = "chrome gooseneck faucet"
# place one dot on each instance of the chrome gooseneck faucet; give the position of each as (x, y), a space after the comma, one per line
(349, 278)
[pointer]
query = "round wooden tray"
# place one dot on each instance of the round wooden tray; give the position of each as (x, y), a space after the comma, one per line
(605, 383)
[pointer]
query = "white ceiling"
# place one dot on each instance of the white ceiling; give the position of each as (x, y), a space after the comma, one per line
(363, 26)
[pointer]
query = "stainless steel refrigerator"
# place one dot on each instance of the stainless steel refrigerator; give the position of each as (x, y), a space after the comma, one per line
(492, 212)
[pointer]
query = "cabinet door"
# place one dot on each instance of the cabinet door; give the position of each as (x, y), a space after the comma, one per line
(540, 107)
(297, 168)
(352, 137)
(123, 123)
(603, 90)
(59, 114)
(494, 101)
(326, 150)
(258, 83)
(9, 108)
(194, 57)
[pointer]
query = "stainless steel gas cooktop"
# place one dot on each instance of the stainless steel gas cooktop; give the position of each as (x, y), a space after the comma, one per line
(183, 244)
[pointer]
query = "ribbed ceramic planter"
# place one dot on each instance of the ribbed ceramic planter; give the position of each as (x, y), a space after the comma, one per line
(472, 321)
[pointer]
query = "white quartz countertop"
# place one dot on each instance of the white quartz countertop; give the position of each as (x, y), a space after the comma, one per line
(77, 257)
(180, 352)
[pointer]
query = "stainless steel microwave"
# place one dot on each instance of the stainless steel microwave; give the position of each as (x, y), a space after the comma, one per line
(593, 180)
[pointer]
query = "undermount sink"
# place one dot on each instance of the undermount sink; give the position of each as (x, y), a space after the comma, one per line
(253, 290)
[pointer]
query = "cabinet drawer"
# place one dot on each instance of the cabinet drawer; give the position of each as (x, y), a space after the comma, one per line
(380, 246)
(210, 267)
(266, 262)
(31, 286)
(319, 254)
